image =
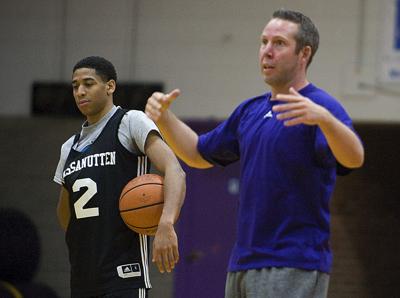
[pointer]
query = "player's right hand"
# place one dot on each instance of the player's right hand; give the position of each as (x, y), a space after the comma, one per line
(159, 102)
(165, 248)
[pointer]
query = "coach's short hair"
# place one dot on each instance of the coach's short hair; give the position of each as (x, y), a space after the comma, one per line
(308, 33)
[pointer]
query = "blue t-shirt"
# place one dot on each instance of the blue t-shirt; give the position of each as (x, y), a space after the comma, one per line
(287, 178)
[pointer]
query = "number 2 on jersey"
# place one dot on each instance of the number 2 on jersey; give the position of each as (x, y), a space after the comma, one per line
(79, 205)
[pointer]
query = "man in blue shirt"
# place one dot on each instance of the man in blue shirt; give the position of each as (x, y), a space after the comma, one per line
(291, 142)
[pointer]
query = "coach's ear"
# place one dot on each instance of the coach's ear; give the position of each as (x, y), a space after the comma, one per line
(306, 54)
(110, 86)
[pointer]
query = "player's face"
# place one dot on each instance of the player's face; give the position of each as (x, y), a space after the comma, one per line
(92, 95)
(279, 63)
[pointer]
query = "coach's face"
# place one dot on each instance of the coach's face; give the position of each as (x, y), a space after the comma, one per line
(93, 96)
(280, 64)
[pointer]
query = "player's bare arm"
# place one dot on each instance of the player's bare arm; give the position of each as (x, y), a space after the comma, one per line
(180, 137)
(344, 143)
(63, 212)
(165, 244)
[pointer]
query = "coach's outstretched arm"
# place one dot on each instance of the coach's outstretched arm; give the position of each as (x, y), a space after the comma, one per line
(180, 137)
(344, 143)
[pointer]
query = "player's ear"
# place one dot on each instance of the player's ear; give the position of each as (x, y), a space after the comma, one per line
(110, 86)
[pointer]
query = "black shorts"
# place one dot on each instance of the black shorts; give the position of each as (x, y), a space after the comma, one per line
(131, 293)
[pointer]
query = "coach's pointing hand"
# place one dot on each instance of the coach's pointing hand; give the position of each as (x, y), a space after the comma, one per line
(158, 103)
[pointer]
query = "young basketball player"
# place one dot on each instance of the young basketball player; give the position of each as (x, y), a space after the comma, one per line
(290, 143)
(114, 146)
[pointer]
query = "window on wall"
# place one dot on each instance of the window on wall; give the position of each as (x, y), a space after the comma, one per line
(55, 99)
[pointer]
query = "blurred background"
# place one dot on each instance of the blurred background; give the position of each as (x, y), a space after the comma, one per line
(208, 49)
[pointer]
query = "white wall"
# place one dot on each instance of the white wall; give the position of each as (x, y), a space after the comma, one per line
(207, 48)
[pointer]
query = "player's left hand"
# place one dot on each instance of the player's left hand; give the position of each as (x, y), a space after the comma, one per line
(165, 248)
(298, 109)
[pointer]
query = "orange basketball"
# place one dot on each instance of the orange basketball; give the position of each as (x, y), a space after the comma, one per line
(141, 203)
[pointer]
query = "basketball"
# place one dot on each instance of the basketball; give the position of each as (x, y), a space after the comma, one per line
(141, 203)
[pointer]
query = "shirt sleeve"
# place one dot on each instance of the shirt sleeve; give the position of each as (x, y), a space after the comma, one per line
(220, 146)
(65, 149)
(134, 130)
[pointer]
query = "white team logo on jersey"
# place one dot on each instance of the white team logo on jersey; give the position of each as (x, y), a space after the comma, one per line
(95, 160)
(268, 115)
(129, 270)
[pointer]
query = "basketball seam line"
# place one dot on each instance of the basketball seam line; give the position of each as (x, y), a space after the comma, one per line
(155, 204)
(151, 183)
(151, 227)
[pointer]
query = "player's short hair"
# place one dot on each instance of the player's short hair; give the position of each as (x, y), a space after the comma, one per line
(104, 68)
(308, 33)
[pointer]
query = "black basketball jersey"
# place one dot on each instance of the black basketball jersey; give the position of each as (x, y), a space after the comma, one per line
(104, 254)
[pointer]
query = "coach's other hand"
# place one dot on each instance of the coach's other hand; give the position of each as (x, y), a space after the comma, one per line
(159, 102)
